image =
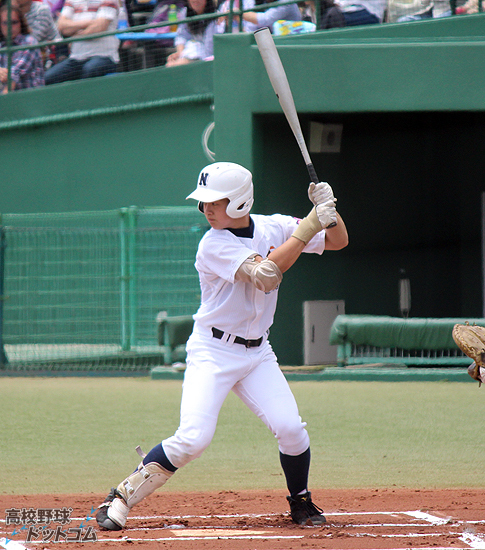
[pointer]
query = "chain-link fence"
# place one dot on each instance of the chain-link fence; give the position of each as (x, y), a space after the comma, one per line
(84, 290)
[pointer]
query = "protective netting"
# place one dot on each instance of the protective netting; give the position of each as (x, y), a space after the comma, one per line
(84, 290)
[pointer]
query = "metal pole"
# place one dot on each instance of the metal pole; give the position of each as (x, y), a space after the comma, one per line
(9, 45)
(124, 278)
(3, 356)
(132, 268)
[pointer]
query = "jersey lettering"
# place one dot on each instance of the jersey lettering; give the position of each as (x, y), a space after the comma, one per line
(203, 179)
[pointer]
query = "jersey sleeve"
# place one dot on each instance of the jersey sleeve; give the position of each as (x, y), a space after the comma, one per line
(290, 223)
(221, 254)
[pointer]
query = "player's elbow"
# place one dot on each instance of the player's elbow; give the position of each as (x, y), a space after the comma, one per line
(266, 275)
(342, 243)
(336, 239)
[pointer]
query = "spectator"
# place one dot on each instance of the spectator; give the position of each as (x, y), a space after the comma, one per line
(362, 12)
(471, 6)
(418, 10)
(55, 7)
(40, 20)
(26, 66)
(261, 19)
(88, 58)
(43, 28)
(400, 11)
(195, 40)
(156, 52)
(222, 22)
(331, 16)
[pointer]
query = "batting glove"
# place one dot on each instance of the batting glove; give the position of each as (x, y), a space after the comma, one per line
(320, 193)
(327, 213)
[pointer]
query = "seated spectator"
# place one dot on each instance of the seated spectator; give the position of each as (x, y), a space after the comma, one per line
(55, 7)
(418, 10)
(195, 40)
(400, 11)
(43, 28)
(441, 8)
(260, 19)
(222, 22)
(331, 15)
(362, 12)
(40, 20)
(471, 6)
(156, 52)
(88, 58)
(27, 70)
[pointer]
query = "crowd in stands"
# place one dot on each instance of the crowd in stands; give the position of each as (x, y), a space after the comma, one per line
(51, 21)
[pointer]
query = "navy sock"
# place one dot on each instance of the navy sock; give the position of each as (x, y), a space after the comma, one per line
(296, 470)
(157, 454)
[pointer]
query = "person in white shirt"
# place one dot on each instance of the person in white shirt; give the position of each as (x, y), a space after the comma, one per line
(362, 12)
(260, 19)
(195, 39)
(241, 261)
(88, 58)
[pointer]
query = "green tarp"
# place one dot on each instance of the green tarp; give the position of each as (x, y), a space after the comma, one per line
(395, 332)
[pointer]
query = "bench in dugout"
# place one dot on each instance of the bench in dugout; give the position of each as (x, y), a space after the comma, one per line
(173, 333)
(365, 339)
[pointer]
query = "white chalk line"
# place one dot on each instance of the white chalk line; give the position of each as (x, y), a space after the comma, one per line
(475, 542)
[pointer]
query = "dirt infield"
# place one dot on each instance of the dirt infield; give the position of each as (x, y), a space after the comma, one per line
(250, 520)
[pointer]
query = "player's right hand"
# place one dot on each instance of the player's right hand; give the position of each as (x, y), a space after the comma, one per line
(320, 193)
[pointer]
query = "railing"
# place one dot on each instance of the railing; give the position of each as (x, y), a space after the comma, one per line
(232, 13)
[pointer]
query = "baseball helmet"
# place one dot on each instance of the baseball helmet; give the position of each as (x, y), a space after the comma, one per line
(225, 180)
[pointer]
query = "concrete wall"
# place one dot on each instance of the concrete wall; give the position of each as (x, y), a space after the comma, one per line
(131, 139)
(408, 176)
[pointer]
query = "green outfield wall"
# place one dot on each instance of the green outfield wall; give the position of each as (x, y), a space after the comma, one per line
(408, 178)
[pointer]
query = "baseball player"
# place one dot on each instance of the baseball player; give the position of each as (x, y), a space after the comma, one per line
(241, 261)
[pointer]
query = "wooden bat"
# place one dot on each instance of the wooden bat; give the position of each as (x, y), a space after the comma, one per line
(279, 81)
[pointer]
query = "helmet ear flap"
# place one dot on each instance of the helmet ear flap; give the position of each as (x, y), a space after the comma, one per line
(237, 209)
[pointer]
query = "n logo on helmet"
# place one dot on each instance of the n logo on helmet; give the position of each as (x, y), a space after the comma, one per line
(203, 178)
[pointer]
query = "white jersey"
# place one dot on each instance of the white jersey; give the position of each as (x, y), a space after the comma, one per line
(233, 306)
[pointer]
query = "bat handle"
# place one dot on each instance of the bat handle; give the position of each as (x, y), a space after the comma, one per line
(313, 174)
(314, 178)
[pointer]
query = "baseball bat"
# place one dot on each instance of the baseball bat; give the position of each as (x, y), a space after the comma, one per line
(279, 81)
(281, 87)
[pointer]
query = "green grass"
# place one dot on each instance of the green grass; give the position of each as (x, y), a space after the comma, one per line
(79, 434)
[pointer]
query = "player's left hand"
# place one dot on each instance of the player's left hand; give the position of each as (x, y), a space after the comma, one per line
(327, 213)
(320, 193)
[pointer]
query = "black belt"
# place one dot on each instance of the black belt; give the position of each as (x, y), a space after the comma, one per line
(238, 340)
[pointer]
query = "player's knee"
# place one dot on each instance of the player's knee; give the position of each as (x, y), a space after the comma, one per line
(188, 444)
(293, 438)
(197, 443)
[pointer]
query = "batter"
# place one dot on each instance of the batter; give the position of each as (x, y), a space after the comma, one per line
(240, 261)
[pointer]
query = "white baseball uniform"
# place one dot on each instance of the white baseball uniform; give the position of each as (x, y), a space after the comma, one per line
(232, 311)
